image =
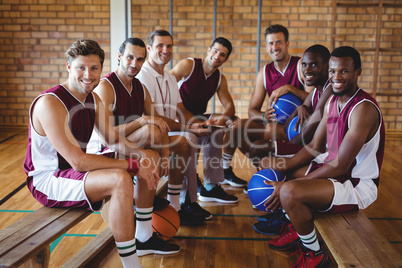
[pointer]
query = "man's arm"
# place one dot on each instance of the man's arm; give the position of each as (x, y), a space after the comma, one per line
(227, 102)
(182, 69)
(258, 97)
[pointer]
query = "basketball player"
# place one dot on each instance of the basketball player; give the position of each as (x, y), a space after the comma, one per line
(352, 132)
(163, 89)
(199, 80)
(130, 101)
(61, 173)
(315, 71)
(281, 76)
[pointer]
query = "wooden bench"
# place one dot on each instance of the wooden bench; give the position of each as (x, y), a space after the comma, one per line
(28, 240)
(354, 241)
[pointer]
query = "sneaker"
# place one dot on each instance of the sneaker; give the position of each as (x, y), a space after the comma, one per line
(196, 209)
(190, 219)
(271, 224)
(245, 190)
(310, 258)
(160, 203)
(232, 179)
(277, 215)
(156, 245)
(217, 194)
(288, 240)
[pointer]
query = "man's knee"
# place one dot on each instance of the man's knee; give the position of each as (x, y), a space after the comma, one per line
(290, 193)
(152, 135)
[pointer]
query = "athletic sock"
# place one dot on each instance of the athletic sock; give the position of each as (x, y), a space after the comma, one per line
(209, 186)
(226, 160)
(143, 230)
(128, 253)
(173, 195)
(286, 215)
(310, 241)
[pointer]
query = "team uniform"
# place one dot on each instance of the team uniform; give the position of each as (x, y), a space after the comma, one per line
(51, 179)
(287, 149)
(274, 79)
(197, 89)
(358, 187)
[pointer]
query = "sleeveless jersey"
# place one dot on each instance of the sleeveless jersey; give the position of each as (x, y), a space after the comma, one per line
(317, 94)
(197, 89)
(41, 155)
(367, 163)
(127, 106)
(274, 79)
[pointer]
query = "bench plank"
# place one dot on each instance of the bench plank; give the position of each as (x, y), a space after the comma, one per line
(354, 241)
(36, 233)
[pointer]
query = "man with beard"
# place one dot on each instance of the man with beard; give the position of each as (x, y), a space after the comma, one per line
(135, 118)
(315, 71)
(61, 173)
(163, 89)
(199, 80)
(351, 138)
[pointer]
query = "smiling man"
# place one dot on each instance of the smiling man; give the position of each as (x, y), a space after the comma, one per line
(351, 138)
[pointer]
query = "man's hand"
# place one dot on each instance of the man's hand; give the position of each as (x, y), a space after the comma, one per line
(276, 94)
(270, 115)
(149, 169)
(159, 122)
(303, 112)
(199, 129)
(273, 202)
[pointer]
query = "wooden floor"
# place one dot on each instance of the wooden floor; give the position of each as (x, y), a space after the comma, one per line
(228, 240)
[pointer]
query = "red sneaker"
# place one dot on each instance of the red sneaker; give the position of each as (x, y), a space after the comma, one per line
(311, 259)
(289, 239)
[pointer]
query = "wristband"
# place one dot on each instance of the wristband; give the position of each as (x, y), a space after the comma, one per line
(133, 165)
(263, 119)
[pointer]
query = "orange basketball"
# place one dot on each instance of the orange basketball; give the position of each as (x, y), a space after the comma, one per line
(166, 222)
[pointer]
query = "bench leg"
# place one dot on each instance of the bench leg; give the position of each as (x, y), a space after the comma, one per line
(40, 259)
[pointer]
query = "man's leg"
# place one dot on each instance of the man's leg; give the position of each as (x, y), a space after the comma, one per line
(117, 185)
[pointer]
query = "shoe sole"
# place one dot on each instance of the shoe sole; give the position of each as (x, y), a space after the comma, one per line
(231, 183)
(214, 199)
(258, 231)
(152, 251)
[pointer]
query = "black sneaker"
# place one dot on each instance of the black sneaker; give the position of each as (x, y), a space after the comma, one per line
(156, 245)
(271, 223)
(245, 190)
(217, 194)
(190, 219)
(160, 203)
(232, 179)
(196, 209)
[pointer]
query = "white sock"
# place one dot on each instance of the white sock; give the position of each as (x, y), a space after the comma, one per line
(310, 241)
(173, 195)
(286, 215)
(128, 253)
(226, 160)
(143, 229)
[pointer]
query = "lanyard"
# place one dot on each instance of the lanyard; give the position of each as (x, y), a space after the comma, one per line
(160, 90)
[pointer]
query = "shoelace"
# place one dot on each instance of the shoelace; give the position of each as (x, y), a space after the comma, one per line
(302, 261)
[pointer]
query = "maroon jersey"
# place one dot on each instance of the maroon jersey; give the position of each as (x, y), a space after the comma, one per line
(198, 88)
(317, 94)
(367, 163)
(127, 106)
(274, 79)
(81, 118)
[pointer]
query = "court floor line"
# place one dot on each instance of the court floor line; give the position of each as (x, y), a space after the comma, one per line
(12, 193)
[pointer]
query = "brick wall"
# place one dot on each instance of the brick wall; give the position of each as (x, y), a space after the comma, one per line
(34, 34)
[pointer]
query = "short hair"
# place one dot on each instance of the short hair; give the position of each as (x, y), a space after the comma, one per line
(158, 33)
(277, 28)
(224, 42)
(346, 51)
(85, 47)
(320, 50)
(133, 41)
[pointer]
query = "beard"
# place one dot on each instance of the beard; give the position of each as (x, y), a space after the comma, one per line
(339, 93)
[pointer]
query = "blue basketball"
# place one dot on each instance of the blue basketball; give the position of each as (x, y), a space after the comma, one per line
(285, 106)
(258, 191)
(290, 131)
